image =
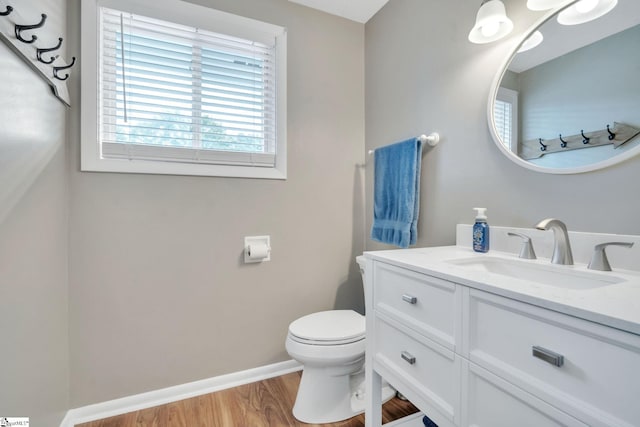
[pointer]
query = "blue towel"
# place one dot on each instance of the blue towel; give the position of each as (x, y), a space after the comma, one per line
(396, 193)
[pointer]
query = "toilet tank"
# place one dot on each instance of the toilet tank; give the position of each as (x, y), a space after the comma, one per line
(361, 264)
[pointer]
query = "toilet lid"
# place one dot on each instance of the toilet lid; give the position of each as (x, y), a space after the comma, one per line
(333, 325)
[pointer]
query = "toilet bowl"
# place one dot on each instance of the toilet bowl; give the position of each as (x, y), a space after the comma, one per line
(330, 345)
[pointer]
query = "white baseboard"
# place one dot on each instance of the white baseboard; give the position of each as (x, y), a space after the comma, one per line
(172, 394)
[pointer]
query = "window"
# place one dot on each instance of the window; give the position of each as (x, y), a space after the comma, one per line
(177, 88)
(505, 113)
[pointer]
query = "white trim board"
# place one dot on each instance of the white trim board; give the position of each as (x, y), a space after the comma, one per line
(173, 394)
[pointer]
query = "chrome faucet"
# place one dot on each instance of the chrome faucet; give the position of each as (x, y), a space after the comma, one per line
(561, 246)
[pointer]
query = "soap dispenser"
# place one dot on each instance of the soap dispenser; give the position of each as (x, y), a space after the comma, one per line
(481, 231)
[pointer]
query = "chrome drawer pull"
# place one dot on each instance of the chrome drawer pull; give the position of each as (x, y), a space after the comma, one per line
(409, 299)
(548, 356)
(408, 358)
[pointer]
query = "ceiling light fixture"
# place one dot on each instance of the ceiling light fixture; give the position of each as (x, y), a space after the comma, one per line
(544, 4)
(586, 6)
(534, 40)
(585, 11)
(492, 23)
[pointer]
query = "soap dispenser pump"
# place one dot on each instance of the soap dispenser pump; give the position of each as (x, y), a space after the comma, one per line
(481, 231)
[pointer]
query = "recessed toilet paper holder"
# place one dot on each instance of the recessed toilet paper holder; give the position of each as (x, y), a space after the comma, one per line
(257, 249)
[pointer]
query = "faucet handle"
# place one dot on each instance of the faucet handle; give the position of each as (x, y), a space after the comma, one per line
(526, 251)
(599, 260)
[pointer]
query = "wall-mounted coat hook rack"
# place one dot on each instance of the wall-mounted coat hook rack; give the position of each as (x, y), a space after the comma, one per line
(40, 51)
(542, 146)
(63, 67)
(26, 48)
(20, 28)
(563, 143)
(614, 136)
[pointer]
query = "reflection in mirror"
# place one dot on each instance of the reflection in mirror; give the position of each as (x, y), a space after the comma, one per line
(554, 102)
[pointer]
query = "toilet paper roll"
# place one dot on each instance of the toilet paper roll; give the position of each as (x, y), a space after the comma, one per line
(257, 251)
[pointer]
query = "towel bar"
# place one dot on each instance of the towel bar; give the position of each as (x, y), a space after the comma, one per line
(432, 139)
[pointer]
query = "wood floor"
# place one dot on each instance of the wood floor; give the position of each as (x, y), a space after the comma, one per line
(265, 403)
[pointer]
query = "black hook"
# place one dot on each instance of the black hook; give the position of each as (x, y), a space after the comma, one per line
(542, 146)
(585, 139)
(63, 67)
(611, 134)
(563, 142)
(21, 28)
(8, 11)
(40, 51)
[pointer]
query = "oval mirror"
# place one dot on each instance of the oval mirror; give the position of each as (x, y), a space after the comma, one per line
(571, 104)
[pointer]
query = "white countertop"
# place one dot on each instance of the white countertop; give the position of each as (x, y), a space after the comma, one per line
(616, 305)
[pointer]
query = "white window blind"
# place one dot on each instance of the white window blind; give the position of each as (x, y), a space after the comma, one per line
(502, 115)
(505, 115)
(175, 93)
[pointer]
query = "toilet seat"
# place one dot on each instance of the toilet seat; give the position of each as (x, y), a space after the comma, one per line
(331, 347)
(332, 327)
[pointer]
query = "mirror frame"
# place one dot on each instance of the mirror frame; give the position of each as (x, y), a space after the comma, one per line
(491, 104)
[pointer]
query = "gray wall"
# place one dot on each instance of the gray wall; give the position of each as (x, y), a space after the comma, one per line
(159, 295)
(423, 75)
(34, 364)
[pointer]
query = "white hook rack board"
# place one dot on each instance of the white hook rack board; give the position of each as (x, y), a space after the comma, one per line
(28, 53)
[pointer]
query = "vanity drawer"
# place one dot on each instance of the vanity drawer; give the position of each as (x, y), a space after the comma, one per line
(491, 401)
(429, 305)
(425, 372)
(599, 368)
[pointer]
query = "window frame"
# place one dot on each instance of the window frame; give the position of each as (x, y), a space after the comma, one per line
(189, 14)
(510, 96)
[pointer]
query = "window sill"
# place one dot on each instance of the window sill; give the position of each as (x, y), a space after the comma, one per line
(170, 168)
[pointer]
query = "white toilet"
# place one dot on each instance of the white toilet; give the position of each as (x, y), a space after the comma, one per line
(330, 345)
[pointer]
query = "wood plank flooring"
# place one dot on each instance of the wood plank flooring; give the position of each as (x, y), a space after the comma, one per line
(265, 403)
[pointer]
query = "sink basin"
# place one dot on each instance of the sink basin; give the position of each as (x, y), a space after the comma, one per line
(559, 276)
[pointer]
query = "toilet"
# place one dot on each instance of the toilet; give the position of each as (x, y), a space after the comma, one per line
(330, 345)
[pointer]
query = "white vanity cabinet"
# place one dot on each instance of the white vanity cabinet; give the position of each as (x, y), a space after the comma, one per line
(598, 381)
(413, 340)
(465, 357)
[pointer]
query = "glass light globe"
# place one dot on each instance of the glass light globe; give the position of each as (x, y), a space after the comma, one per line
(534, 40)
(490, 29)
(586, 6)
(491, 24)
(585, 11)
(544, 4)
